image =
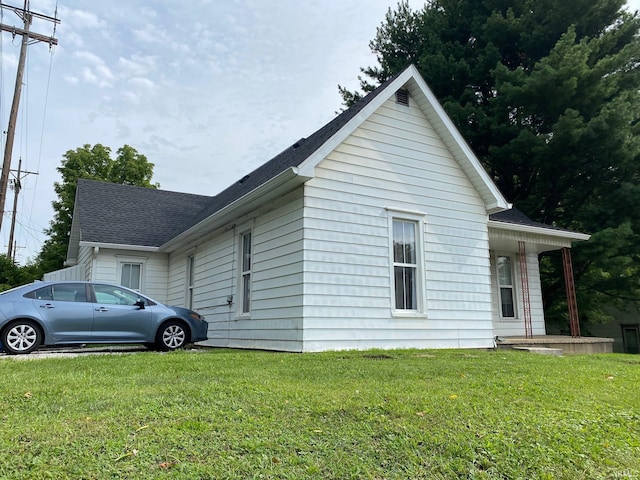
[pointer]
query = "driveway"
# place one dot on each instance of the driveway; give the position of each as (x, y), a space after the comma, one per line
(70, 352)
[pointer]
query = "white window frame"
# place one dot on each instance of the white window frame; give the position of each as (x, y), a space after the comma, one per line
(245, 275)
(122, 261)
(418, 220)
(190, 279)
(515, 291)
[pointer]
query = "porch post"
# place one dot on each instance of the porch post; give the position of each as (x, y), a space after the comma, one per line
(524, 280)
(574, 322)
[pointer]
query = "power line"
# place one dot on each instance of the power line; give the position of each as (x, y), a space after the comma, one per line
(26, 16)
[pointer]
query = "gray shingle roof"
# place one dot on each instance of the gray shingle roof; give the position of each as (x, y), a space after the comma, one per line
(516, 217)
(291, 157)
(129, 215)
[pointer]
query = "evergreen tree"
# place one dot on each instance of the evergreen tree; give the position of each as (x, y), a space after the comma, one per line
(94, 162)
(547, 95)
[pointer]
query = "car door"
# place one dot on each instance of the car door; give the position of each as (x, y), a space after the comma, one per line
(117, 318)
(65, 311)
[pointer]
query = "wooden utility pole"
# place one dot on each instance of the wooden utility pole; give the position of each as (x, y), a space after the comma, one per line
(17, 186)
(26, 15)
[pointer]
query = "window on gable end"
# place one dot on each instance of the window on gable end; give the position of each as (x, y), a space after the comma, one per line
(407, 270)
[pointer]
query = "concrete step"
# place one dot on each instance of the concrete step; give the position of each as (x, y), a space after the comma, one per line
(540, 350)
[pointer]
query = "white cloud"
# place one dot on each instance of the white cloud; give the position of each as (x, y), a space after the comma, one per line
(82, 19)
(72, 79)
(137, 65)
(88, 56)
(215, 88)
(141, 83)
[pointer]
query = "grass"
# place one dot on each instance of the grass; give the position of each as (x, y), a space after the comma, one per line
(371, 415)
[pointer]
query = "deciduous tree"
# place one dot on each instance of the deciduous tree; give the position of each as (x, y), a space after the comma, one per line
(94, 162)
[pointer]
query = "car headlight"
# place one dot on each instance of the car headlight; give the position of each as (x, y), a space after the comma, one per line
(196, 316)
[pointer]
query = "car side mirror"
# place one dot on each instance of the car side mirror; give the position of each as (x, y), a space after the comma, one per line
(140, 304)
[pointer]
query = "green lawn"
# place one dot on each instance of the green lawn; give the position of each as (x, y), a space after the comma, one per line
(372, 415)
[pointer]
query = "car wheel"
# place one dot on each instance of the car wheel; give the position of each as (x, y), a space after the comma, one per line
(21, 337)
(171, 336)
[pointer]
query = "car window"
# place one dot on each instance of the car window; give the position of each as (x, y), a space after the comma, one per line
(61, 292)
(69, 292)
(113, 295)
(44, 293)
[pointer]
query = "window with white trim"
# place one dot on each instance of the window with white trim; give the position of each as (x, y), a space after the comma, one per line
(190, 280)
(245, 272)
(407, 271)
(405, 265)
(131, 275)
(506, 286)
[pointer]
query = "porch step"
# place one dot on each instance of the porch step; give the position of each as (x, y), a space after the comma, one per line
(540, 350)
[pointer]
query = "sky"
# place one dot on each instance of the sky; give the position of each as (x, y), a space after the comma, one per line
(207, 90)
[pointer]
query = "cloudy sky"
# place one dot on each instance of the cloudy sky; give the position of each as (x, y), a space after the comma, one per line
(206, 89)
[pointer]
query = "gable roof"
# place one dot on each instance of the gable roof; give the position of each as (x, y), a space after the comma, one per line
(411, 80)
(171, 218)
(291, 157)
(301, 158)
(110, 213)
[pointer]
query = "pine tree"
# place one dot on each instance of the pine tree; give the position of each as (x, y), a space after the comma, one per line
(547, 95)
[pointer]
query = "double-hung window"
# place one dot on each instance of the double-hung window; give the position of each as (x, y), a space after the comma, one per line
(504, 266)
(190, 280)
(406, 259)
(245, 272)
(131, 275)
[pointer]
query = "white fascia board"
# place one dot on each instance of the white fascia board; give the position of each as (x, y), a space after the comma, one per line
(497, 202)
(119, 246)
(308, 165)
(226, 213)
(492, 197)
(550, 232)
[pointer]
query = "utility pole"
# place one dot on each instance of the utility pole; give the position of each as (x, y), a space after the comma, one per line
(26, 15)
(17, 186)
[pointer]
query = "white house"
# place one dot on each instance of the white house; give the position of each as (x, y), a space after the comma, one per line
(380, 230)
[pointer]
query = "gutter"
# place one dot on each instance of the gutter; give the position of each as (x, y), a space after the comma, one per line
(549, 232)
(228, 212)
(120, 246)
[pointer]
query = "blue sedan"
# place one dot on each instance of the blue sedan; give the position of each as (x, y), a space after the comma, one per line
(66, 313)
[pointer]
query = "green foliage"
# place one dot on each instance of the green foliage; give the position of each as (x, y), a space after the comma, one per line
(547, 95)
(12, 274)
(347, 415)
(93, 162)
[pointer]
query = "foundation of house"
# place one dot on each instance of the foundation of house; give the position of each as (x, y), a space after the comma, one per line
(568, 345)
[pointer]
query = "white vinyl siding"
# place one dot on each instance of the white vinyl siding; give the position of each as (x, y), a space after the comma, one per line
(275, 320)
(107, 268)
(85, 258)
(394, 161)
(505, 326)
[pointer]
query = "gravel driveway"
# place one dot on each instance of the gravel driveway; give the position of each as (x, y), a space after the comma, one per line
(71, 352)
